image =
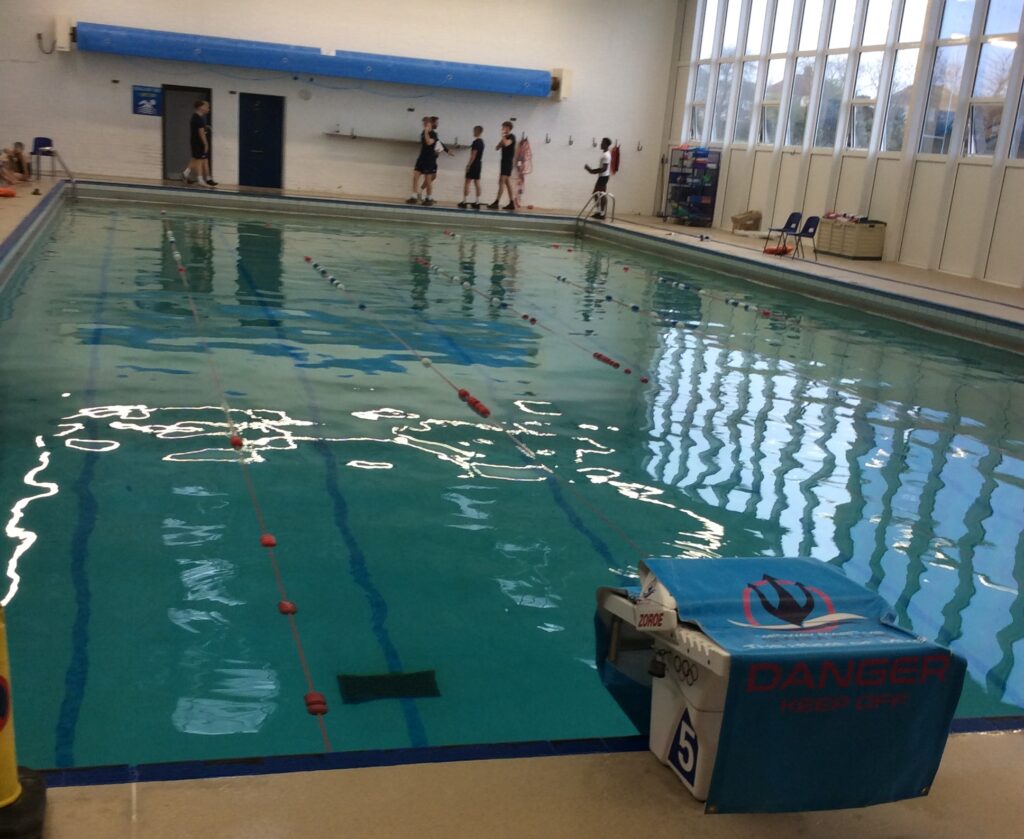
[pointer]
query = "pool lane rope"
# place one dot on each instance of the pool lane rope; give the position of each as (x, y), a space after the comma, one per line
(315, 701)
(475, 404)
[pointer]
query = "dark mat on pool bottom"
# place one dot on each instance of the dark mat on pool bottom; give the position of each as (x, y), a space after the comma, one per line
(387, 686)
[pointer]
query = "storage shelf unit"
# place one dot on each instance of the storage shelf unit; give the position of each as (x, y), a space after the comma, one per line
(692, 185)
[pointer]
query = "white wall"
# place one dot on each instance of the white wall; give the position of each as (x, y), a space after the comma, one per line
(620, 55)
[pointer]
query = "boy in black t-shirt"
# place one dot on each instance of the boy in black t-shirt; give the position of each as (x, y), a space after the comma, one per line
(476, 154)
(507, 147)
(426, 163)
(199, 139)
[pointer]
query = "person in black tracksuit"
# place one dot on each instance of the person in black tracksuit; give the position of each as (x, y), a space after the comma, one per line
(507, 147)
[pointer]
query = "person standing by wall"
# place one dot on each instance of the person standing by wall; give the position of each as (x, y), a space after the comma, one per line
(603, 170)
(476, 156)
(199, 137)
(426, 164)
(507, 147)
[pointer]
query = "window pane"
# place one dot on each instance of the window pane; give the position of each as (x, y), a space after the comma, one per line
(773, 80)
(745, 104)
(900, 95)
(721, 102)
(755, 29)
(994, 69)
(869, 73)
(697, 122)
(831, 100)
(783, 24)
(707, 37)
(912, 27)
(803, 80)
(842, 26)
(983, 122)
(700, 92)
(1017, 147)
(876, 24)
(1003, 16)
(811, 25)
(942, 99)
(956, 19)
(769, 124)
(862, 118)
(732, 30)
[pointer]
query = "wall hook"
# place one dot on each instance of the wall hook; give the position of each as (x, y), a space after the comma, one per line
(593, 142)
(570, 139)
(547, 138)
(639, 146)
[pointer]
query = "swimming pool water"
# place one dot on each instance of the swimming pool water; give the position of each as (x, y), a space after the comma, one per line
(415, 535)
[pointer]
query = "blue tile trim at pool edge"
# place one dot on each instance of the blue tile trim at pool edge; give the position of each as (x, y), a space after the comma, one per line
(283, 764)
(197, 769)
(13, 239)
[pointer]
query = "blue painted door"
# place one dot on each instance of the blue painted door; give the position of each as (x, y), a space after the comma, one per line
(260, 140)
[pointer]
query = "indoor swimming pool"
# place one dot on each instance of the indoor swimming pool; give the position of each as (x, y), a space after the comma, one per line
(629, 406)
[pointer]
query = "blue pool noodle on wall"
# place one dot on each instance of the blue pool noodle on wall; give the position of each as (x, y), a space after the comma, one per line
(262, 55)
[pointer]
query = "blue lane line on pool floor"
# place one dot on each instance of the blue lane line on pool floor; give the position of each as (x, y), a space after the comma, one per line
(358, 566)
(78, 667)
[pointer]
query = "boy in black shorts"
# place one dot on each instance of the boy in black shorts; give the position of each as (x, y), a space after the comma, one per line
(199, 139)
(507, 147)
(603, 171)
(476, 154)
(426, 165)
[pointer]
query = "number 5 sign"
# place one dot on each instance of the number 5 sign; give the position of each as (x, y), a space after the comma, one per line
(683, 754)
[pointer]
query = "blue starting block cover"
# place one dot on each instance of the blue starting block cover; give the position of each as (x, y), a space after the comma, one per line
(829, 705)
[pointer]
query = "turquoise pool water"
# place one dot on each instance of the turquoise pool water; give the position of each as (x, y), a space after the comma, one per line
(415, 535)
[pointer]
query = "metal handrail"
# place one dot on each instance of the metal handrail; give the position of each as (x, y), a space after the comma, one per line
(52, 152)
(593, 202)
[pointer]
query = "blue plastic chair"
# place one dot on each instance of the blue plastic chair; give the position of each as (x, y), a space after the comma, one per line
(809, 229)
(790, 228)
(42, 147)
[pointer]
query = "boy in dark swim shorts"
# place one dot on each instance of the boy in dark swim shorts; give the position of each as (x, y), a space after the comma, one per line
(199, 138)
(507, 147)
(476, 154)
(426, 165)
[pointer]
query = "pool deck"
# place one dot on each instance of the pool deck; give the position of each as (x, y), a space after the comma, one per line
(977, 790)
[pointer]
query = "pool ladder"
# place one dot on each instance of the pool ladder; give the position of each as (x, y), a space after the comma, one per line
(54, 155)
(591, 207)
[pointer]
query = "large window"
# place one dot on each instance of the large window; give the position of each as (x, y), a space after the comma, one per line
(771, 101)
(900, 93)
(991, 84)
(722, 94)
(831, 101)
(745, 103)
(943, 97)
(859, 74)
(865, 99)
(802, 84)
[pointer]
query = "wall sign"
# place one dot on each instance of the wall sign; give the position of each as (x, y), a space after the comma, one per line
(147, 101)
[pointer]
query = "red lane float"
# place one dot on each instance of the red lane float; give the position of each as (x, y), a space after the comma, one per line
(268, 541)
(316, 703)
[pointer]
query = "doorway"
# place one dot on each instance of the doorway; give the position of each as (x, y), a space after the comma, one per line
(260, 140)
(179, 104)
